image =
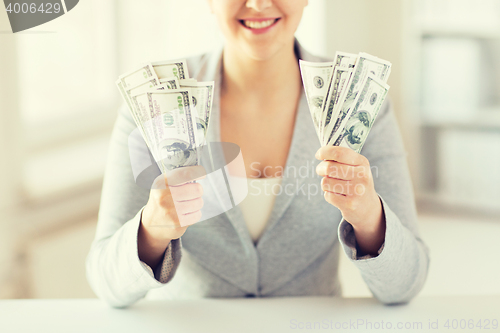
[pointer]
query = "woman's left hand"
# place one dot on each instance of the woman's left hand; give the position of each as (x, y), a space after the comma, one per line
(348, 185)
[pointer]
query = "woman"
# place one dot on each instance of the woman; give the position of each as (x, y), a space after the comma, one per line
(259, 105)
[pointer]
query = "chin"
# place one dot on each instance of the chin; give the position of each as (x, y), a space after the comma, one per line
(261, 54)
(263, 51)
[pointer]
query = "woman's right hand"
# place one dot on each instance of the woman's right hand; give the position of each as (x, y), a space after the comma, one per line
(174, 204)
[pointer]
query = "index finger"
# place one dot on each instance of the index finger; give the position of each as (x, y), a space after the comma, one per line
(180, 176)
(185, 175)
(338, 154)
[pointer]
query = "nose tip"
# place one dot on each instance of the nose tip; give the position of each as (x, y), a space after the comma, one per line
(259, 5)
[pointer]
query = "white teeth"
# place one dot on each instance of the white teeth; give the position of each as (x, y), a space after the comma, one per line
(258, 24)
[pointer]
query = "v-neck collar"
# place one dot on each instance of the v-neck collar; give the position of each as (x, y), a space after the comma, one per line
(304, 144)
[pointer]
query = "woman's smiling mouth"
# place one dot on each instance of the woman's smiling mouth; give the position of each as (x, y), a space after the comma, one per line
(259, 25)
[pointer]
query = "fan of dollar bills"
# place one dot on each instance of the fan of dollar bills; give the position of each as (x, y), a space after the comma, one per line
(171, 111)
(345, 96)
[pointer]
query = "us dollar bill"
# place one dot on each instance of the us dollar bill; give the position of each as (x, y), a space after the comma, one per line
(359, 121)
(143, 87)
(140, 121)
(365, 65)
(345, 60)
(342, 62)
(167, 69)
(136, 82)
(152, 84)
(316, 78)
(171, 110)
(173, 126)
(138, 76)
(170, 83)
(146, 126)
(126, 98)
(340, 78)
(202, 96)
(185, 81)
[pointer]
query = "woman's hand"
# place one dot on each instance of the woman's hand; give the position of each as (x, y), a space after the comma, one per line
(348, 185)
(174, 204)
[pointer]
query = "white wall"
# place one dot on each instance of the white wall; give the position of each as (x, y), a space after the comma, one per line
(369, 26)
(382, 28)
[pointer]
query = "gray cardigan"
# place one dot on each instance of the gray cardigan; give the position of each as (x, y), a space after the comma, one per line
(298, 253)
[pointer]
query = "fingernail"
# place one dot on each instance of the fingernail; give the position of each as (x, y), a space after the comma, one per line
(318, 169)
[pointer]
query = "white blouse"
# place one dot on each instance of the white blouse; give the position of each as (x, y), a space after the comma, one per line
(259, 203)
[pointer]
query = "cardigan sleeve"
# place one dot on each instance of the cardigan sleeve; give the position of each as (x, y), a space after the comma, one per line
(114, 270)
(400, 269)
(165, 272)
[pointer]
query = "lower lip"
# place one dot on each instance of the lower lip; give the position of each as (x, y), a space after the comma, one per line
(260, 31)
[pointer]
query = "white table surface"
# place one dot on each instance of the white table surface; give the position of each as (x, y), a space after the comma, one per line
(248, 315)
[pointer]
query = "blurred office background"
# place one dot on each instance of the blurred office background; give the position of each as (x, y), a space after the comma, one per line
(58, 102)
